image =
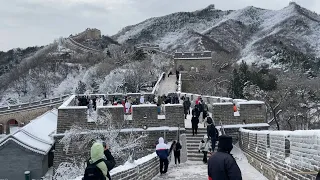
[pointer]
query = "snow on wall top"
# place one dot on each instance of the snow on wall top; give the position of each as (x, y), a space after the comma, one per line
(145, 105)
(225, 103)
(279, 133)
(37, 135)
(250, 102)
(244, 125)
(193, 55)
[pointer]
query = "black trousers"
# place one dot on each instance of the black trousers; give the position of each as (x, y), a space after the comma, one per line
(163, 162)
(204, 115)
(213, 144)
(194, 129)
(205, 159)
(176, 156)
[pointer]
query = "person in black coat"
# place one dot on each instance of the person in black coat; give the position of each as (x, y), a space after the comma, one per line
(186, 107)
(109, 161)
(176, 147)
(318, 176)
(197, 110)
(222, 165)
(177, 75)
(194, 122)
(212, 133)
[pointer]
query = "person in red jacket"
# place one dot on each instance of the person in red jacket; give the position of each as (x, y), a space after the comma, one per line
(235, 108)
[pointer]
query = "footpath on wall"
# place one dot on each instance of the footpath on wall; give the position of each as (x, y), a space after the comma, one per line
(168, 85)
(199, 171)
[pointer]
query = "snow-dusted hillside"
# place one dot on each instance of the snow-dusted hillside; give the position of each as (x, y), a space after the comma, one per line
(255, 35)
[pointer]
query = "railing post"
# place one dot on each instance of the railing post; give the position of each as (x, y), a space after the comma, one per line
(27, 175)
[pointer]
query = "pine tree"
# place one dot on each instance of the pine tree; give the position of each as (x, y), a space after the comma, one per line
(82, 88)
(95, 86)
(236, 86)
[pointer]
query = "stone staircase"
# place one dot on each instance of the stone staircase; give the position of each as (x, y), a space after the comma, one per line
(193, 144)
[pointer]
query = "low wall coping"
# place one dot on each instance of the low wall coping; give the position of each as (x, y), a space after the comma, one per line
(244, 126)
(251, 102)
(173, 105)
(222, 104)
(144, 105)
(162, 128)
(280, 133)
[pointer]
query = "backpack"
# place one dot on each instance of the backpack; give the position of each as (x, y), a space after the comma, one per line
(92, 172)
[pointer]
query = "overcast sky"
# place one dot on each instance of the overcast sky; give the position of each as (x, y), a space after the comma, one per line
(26, 23)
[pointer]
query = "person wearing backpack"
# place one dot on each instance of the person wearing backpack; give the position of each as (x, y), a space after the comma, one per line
(213, 133)
(96, 167)
(204, 147)
(222, 164)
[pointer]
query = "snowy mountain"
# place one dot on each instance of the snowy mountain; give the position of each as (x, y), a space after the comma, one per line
(69, 65)
(255, 35)
(286, 38)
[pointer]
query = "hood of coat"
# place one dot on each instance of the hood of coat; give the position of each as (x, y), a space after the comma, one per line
(96, 152)
(161, 140)
(225, 144)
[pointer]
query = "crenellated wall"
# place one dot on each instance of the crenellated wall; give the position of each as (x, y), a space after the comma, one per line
(144, 119)
(282, 154)
(250, 112)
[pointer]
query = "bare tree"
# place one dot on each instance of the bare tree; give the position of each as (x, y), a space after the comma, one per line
(120, 55)
(104, 128)
(42, 79)
(292, 104)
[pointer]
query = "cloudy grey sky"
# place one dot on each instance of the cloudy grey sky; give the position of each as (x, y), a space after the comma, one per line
(26, 23)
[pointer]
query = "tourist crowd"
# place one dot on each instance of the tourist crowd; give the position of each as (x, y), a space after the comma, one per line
(92, 102)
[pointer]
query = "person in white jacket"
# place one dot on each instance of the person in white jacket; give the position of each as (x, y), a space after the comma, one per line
(100, 101)
(127, 106)
(204, 147)
(141, 99)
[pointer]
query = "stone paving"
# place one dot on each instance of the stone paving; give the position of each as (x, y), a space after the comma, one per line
(168, 85)
(198, 171)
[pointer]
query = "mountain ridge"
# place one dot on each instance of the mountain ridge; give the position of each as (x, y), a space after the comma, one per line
(244, 32)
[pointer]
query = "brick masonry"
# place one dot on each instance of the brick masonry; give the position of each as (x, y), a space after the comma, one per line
(222, 109)
(280, 154)
(149, 169)
(15, 160)
(142, 115)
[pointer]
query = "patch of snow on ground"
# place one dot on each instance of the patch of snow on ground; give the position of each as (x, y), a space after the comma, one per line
(168, 85)
(135, 30)
(198, 170)
(248, 172)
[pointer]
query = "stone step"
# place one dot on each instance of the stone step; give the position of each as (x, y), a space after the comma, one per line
(199, 131)
(195, 136)
(193, 141)
(196, 150)
(199, 155)
(193, 144)
(195, 159)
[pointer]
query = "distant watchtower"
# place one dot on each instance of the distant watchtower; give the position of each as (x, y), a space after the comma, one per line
(292, 2)
(193, 61)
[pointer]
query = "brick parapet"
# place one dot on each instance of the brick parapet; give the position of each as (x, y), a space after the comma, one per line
(282, 154)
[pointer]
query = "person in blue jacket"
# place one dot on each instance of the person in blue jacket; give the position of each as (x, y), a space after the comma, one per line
(162, 151)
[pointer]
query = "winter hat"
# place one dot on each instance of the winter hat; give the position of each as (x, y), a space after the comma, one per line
(225, 144)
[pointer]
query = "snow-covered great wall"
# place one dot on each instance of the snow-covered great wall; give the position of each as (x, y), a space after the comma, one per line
(290, 155)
